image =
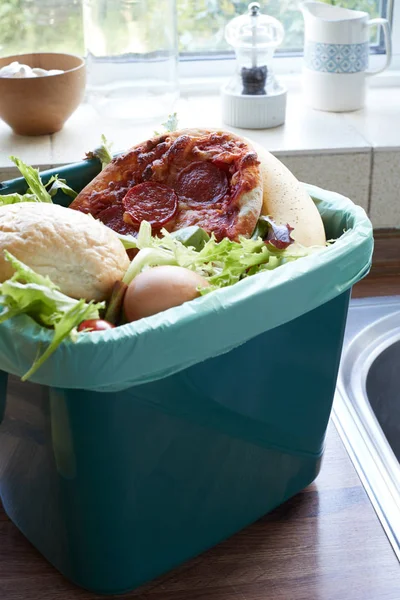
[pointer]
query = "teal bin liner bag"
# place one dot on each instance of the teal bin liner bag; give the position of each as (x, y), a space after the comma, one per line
(145, 445)
(163, 344)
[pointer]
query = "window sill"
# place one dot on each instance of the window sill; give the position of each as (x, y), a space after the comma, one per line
(357, 154)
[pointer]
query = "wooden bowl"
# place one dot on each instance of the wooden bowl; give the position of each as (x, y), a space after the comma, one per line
(41, 105)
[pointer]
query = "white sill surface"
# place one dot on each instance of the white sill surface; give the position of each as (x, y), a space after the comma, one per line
(356, 154)
(305, 131)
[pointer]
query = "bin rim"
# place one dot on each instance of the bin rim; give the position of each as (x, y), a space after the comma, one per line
(354, 247)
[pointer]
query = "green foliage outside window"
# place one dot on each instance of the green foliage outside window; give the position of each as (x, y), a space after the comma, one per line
(56, 25)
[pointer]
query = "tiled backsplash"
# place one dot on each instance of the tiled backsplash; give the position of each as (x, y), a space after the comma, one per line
(371, 179)
(348, 174)
(385, 189)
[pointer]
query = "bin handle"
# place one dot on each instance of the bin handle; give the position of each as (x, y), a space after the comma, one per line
(3, 394)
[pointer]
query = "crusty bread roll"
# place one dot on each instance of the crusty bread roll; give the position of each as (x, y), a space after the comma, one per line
(286, 200)
(79, 254)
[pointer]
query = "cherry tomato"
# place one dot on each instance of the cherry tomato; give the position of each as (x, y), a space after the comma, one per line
(95, 325)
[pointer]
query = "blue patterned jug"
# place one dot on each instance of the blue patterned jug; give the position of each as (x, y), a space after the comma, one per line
(336, 53)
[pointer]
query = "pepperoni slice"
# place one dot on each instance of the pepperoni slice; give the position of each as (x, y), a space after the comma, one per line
(113, 217)
(202, 182)
(150, 201)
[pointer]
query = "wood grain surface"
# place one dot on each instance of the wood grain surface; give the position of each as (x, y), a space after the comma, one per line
(326, 543)
(384, 277)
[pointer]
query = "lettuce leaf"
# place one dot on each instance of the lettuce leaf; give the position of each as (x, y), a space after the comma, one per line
(32, 178)
(271, 232)
(63, 328)
(17, 198)
(128, 241)
(171, 124)
(26, 274)
(54, 184)
(27, 292)
(37, 190)
(193, 236)
(148, 257)
(102, 153)
(220, 263)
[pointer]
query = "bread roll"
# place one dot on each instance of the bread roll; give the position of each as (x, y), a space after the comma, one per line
(79, 254)
(286, 200)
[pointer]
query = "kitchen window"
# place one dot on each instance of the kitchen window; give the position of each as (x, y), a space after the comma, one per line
(56, 25)
(201, 23)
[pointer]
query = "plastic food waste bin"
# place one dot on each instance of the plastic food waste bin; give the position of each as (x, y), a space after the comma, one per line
(134, 451)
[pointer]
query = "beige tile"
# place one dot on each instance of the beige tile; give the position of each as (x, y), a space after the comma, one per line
(385, 189)
(347, 174)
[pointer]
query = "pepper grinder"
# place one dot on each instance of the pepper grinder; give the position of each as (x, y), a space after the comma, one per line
(253, 98)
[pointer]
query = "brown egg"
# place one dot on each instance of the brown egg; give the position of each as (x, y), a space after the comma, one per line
(160, 288)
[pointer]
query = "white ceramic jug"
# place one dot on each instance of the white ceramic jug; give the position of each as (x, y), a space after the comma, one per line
(336, 53)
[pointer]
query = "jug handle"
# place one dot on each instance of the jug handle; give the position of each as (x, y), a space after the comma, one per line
(384, 23)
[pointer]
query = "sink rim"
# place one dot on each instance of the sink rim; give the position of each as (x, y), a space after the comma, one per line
(358, 358)
(352, 414)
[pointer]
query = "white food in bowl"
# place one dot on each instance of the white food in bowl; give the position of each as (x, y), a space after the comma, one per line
(15, 70)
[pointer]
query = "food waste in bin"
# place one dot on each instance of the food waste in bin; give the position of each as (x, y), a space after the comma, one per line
(157, 301)
(177, 217)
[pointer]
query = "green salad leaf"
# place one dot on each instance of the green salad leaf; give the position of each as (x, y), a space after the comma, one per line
(17, 198)
(193, 236)
(63, 328)
(171, 124)
(128, 241)
(102, 153)
(33, 180)
(27, 292)
(26, 274)
(220, 263)
(37, 190)
(55, 183)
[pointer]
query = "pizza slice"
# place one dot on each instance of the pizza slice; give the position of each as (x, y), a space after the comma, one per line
(209, 178)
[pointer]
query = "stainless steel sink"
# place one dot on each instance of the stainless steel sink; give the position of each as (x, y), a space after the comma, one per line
(366, 409)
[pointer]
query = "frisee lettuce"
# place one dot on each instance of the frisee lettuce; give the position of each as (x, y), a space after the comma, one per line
(55, 183)
(220, 263)
(27, 292)
(33, 180)
(64, 327)
(37, 190)
(128, 241)
(17, 198)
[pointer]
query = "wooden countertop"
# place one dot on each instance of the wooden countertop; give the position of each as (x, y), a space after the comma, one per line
(326, 543)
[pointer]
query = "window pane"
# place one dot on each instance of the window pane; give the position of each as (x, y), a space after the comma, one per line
(201, 22)
(41, 26)
(56, 25)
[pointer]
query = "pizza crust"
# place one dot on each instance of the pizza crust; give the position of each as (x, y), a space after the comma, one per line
(286, 201)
